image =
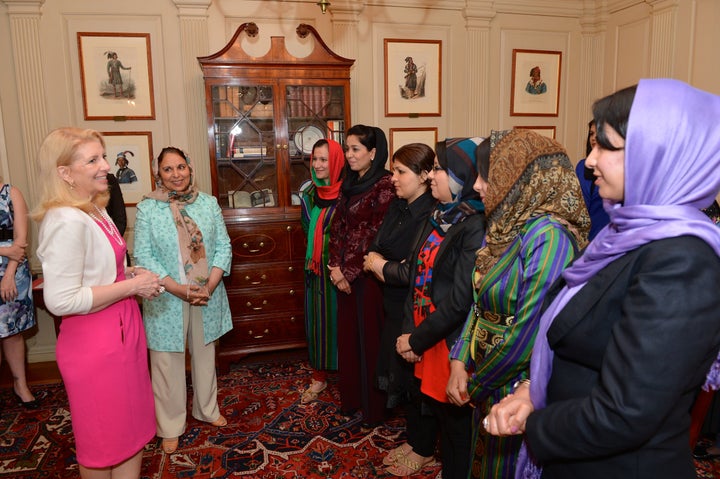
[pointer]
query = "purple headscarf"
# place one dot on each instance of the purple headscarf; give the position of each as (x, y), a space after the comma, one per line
(672, 170)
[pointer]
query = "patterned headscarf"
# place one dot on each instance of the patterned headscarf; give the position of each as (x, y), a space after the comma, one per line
(190, 238)
(326, 192)
(457, 157)
(530, 175)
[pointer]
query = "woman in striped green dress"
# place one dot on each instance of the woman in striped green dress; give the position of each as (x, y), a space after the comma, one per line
(537, 222)
(319, 199)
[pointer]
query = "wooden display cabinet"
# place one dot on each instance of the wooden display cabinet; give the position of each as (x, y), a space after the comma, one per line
(263, 116)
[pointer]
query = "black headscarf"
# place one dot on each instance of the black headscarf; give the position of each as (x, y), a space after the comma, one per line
(371, 137)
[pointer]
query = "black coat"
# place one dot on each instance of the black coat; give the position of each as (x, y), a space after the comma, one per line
(451, 289)
(632, 349)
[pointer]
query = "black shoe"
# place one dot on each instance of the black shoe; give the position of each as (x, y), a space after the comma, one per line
(34, 404)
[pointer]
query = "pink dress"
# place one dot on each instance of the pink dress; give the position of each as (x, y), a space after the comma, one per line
(102, 357)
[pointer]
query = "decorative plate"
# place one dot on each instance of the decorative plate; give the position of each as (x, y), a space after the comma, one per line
(306, 137)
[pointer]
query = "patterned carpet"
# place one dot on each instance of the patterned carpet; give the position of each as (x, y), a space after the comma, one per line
(269, 436)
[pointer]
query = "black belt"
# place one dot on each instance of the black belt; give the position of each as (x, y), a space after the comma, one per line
(6, 235)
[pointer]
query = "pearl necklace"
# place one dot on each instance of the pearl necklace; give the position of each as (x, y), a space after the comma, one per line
(107, 224)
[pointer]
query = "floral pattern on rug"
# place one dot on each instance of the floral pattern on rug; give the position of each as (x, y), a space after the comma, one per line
(269, 435)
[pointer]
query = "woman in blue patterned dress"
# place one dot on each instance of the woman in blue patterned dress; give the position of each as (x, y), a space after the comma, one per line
(537, 220)
(16, 309)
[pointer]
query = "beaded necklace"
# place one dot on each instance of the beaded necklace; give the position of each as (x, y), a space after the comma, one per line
(107, 224)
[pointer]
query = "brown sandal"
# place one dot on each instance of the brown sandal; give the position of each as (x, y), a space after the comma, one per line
(404, 466)
(391, 457)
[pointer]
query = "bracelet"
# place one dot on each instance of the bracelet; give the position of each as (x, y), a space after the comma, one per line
(520, 383)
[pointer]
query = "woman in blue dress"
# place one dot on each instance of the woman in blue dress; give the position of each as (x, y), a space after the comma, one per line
(16, 308)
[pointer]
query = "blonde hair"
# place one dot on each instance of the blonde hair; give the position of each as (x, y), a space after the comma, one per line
(59, 148)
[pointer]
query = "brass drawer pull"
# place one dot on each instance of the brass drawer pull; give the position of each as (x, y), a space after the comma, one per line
(247, 247)
(259, 336)
(256, 308)
(262, 278)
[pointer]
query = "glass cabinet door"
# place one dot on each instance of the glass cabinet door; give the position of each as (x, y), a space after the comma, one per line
(313, 113)
(245, 146)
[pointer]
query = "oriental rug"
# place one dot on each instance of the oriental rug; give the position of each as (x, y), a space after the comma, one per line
(270, 435)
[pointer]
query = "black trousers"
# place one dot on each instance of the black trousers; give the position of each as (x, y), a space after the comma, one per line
(426, 418)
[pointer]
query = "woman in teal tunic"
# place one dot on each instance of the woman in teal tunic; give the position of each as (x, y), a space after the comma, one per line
(319, 200)
(180, 234)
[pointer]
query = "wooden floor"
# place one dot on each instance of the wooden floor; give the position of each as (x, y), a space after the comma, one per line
(37, 373)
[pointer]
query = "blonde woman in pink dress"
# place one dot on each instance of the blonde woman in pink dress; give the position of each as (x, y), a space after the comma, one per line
(101, 350)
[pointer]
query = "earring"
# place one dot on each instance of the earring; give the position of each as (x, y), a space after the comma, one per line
(71, 184)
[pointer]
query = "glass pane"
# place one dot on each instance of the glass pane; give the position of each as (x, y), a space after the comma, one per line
(314, 112)
(245, 146)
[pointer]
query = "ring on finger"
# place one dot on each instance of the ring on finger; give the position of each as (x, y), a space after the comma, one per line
(161, 290)
(486, 423)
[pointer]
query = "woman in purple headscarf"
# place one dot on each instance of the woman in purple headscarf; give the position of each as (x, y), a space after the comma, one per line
(632, 331)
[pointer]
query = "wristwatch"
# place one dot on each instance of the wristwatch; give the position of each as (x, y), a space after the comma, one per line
(520, 383)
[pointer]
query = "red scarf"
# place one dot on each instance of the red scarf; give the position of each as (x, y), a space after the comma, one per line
(327, 192)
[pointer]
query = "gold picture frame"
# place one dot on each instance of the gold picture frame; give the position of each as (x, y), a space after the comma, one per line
(548, 131)
(413, 77)
(404, 136)
(535, 88)
(135, 148)
(116, 76)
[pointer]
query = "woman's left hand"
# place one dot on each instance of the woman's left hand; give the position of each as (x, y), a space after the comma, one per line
(8, 288)
(338, 279)
(402, 346)
(197, 295)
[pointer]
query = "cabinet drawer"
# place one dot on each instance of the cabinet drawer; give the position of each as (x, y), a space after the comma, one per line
(259, 275)
(261, 242)
(282, 328)
(266, 300)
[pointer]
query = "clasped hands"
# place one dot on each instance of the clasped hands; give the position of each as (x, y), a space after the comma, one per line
(373, 263)
(402, 346)
(338, 279)
(509, 416)
(146, 283)
(149, 286)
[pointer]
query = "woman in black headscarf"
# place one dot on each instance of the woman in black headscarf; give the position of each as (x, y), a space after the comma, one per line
(365, 196)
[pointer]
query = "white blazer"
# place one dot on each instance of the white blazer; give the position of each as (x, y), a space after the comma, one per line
(75, 255)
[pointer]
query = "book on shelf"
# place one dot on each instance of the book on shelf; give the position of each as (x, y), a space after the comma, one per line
(245, 199)
(336, 130)
(249, 151)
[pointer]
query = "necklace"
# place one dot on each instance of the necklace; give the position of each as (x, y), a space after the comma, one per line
(107, 224)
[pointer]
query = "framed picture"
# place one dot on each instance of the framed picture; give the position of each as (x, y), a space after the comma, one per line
(413, 77)
(535, 83)
(404, 136)
(116, 76)
(130, 156)
(548, 131)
